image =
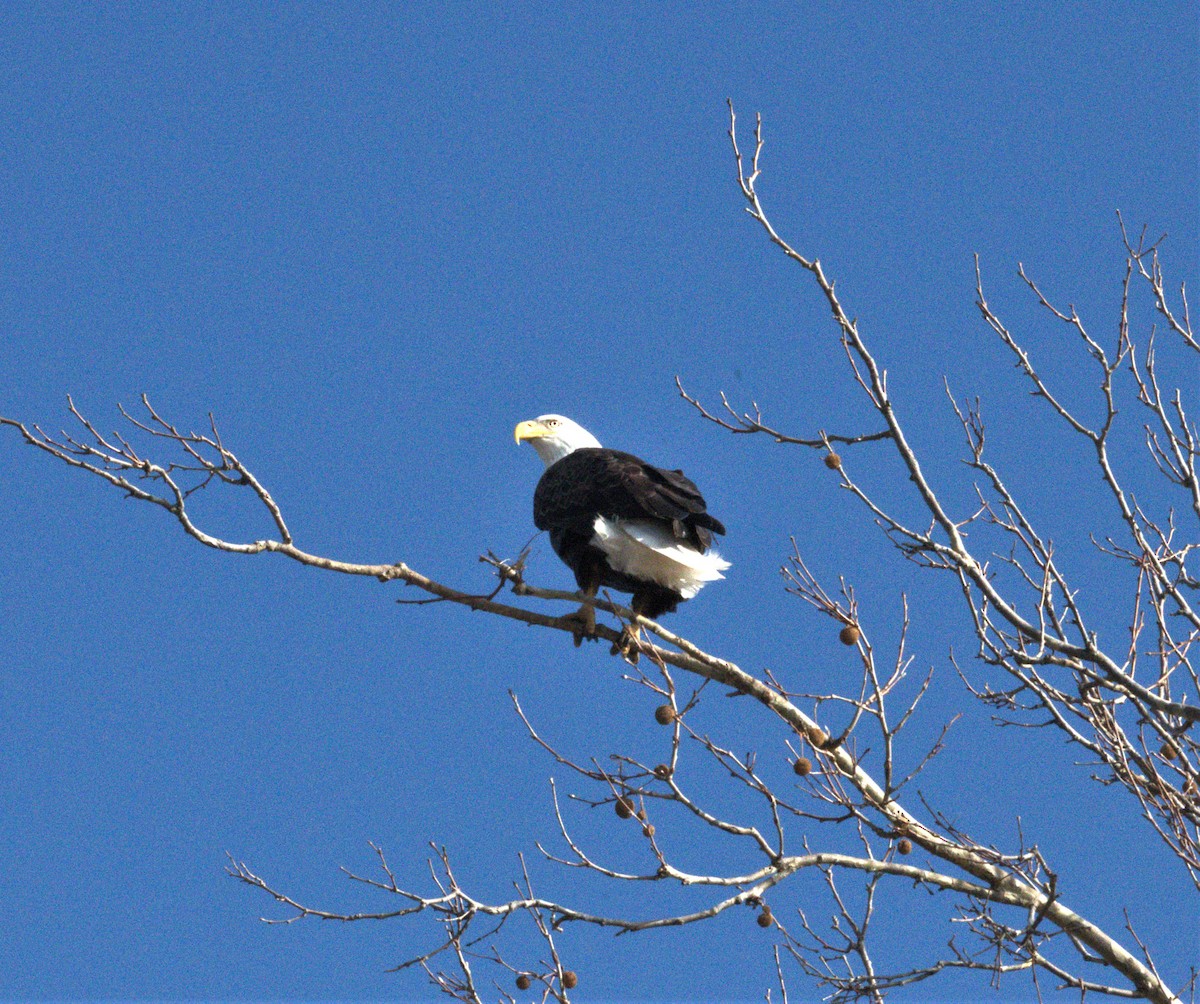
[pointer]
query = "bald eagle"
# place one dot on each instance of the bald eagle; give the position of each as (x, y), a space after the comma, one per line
(620, 523)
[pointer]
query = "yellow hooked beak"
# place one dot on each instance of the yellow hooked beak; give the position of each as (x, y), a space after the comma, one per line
(531, 429)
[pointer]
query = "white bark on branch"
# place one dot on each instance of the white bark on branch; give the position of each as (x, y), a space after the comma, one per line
(1040, 637)
(986, 878)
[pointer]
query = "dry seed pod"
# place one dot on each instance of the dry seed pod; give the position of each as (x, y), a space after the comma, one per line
(664, 714)
(802, 766)
(848, 635)
(833, 461)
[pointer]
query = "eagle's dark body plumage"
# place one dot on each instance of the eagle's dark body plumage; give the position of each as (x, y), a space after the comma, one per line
(593, 482)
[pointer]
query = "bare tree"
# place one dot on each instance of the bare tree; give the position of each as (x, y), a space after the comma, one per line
(1131, 708)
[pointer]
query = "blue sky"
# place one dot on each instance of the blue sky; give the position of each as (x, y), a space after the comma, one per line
(370, 239)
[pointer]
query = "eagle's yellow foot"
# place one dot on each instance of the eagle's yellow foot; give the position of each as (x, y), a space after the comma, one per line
(582, 623)
(628, 645)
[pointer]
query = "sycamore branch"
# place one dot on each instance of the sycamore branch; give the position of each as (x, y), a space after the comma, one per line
(1136, 719)
(458, 903)
(987, 876)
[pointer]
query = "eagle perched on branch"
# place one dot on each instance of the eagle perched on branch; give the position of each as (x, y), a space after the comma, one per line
(620, 523)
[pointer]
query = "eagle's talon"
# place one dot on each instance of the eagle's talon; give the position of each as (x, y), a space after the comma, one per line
(582, 624)
(628, 646)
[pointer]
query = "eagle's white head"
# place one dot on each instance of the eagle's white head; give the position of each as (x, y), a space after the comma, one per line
(554, 437)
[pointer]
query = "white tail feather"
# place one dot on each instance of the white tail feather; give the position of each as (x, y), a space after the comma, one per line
(644, 550)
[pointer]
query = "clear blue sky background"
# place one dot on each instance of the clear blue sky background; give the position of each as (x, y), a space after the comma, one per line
(370, 240)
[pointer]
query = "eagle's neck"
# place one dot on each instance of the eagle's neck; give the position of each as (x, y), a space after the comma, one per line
(553, 448)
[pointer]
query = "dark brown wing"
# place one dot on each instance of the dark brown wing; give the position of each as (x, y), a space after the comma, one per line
(598, 482)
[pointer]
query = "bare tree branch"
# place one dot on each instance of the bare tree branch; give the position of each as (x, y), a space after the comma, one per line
(1132, 708)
